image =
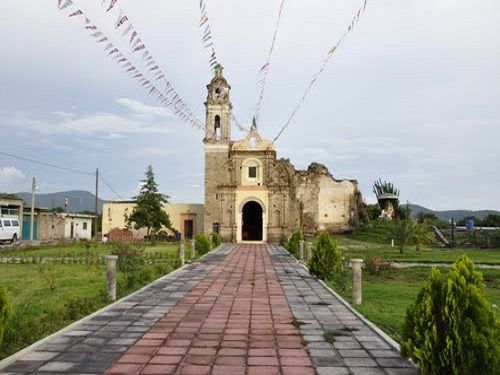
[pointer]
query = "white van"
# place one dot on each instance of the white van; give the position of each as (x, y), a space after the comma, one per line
(9, 230)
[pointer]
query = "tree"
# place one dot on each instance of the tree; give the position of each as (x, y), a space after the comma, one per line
(421, 235)
(452, 328)
(491, 220)
(148, 212)
(373, 211)
(423, 216)
(463, 222)
(57, 210)
(326, 259)
(403, 232)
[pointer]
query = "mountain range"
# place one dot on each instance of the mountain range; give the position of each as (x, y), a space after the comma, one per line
(78, 200)
(451, 214)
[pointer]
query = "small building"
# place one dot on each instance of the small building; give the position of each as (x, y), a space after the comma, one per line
(186, 218)
(64, 226)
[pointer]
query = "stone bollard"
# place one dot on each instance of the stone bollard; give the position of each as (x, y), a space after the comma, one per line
(111, 276)
(193, 249)
(356, 265)
(308, 250)
(301, 249)
(182, 252)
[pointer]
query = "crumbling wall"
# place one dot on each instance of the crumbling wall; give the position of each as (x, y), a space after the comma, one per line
(326, 203)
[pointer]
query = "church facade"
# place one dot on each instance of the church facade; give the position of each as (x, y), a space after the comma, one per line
(251, 195)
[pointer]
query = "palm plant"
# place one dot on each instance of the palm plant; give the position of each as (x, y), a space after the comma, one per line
(403, 232)
(422, 235)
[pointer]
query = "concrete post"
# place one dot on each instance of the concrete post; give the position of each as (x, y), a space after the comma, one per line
(356, 280)
(111, 276)
(301, 249)
(308, 250)
(182, 252)
(193, 249)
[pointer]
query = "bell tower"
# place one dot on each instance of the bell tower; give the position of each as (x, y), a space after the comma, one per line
(217, 147)
(218, 109)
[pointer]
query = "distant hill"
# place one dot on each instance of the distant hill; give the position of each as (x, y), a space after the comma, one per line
(449, 214)
(78, 200)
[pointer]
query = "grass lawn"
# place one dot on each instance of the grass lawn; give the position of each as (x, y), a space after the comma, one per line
(39, 311)
(78, 249)
(386, 297)
(353, 248)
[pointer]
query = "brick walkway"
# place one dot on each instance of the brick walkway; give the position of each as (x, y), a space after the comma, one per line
(230, 313)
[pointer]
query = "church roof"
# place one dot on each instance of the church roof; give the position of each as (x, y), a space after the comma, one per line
(253, 142)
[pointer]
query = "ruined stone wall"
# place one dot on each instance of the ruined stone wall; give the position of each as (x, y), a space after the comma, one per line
(325, 203)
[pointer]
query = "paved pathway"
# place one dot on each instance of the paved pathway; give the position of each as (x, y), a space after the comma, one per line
(246, 309)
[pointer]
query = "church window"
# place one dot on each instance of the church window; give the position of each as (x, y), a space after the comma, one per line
(217, 126)
(252, 172)
(217, 93)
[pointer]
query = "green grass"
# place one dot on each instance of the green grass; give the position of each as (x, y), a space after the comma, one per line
(360, 249)
(386, 297)
(78, 249)
(26, 285)
(39, 311)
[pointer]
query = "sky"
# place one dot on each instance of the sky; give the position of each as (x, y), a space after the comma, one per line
(411, 97)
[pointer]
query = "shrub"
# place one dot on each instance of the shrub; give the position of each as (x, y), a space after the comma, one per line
(284, 241)
(216, 240)
(326, 258)
(293, 244)
(376, 265)
(452, 328)
(5, 310)
(78, 307)
(50, 272)
(202, 244)
(129, 256)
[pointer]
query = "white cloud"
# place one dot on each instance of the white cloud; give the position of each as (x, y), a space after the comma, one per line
(10, 178)
(100, 124)
(143, 109)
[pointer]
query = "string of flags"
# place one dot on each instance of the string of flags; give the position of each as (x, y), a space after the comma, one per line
(207, 39)
(166, 93)
(264, 70)
(149, 63)
(331, 52)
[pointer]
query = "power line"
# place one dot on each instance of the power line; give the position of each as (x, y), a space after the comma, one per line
(109, 187)
(62, 168)
(46, 164)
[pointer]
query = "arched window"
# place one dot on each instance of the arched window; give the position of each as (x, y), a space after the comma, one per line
(217, 126)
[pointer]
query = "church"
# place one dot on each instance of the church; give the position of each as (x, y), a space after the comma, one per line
(251, 195)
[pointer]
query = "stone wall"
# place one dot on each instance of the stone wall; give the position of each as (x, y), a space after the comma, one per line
(50, 227)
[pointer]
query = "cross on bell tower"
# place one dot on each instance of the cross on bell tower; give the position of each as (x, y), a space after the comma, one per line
(218, 109)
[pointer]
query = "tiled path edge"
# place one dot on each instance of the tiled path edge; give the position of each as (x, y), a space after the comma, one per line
(92, 344)
(357, 348)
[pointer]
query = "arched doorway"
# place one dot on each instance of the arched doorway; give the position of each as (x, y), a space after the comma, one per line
(251, 229)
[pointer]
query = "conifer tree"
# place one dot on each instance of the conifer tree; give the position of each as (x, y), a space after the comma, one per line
(148, 212)
(452, 328)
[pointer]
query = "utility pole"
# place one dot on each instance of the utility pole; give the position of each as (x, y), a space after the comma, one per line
(452, 232)
(96, 199)
(33, 187)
